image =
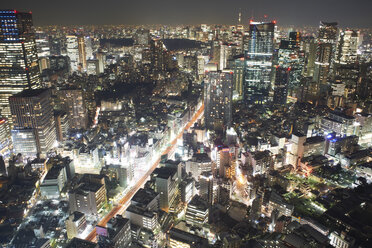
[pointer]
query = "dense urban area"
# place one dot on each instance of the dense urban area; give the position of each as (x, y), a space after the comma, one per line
(188, 136)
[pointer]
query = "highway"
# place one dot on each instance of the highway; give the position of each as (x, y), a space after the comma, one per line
(124, 202)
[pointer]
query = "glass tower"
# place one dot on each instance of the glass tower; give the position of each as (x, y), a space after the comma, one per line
(19, 67)
(327, 38)
(218, 91)
(258, 61)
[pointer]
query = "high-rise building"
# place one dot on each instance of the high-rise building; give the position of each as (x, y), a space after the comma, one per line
(32, 114)
(238, 77)
(295, 39)
(281, 85)
(88, 47)
(82, 53)
(72, 103)
(258, 61)
(208, 187)
(142, 37)
(166, 181)
(5, 138)
(157, 55)
(72, 47)
(19, 68)
(218, 91)
(347, 47)
(327, 38)
(308, 45)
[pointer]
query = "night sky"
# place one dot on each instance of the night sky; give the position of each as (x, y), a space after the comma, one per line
(349, 13)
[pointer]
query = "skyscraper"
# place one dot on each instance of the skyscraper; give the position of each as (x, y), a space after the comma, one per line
(327, 38)
(258, 61)
(5, 139)
(72, 102)
(218, 90)
(281, 85)
(19, 68)
(82, 53)
(73, 51)
(238, 68)
(347, 47)
(34, 129)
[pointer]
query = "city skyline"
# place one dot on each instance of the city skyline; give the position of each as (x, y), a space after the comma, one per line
(287, 13)
(251, 134)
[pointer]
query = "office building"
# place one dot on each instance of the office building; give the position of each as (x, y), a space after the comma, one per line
(62, 123)
(143, 209)
(5, 138)
(19, 68)
(93, 67)
(199, 163)
(208, 187)
(72, 102)
(218, 91)
(327, 38)
(309, 46)
(197, 211)
(258, 62)
(76, 51)
(187, 188)
(117, 233)
(82, 53)
(88, 198)
(166, 184)
(142, 218)
(54, 181)
(32, 115)
(281, 85)
(238, 76)
(338, 122)
(75, 224)
(341, 240)
(181, 239)
(347, 47)
(72, 48)
(277, 203)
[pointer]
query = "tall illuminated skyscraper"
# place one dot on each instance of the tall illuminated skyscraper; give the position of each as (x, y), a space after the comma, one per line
(327, 38)
(82, 53)
(218, 91)
(347, 47)
(76, 51)
(19, 67)
(258, 61)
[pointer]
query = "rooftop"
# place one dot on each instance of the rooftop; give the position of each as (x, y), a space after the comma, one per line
(143, 197)
(81, 243)
(30, 93)
(165, 172)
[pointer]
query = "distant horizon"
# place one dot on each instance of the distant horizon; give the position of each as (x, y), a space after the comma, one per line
(353, 14)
